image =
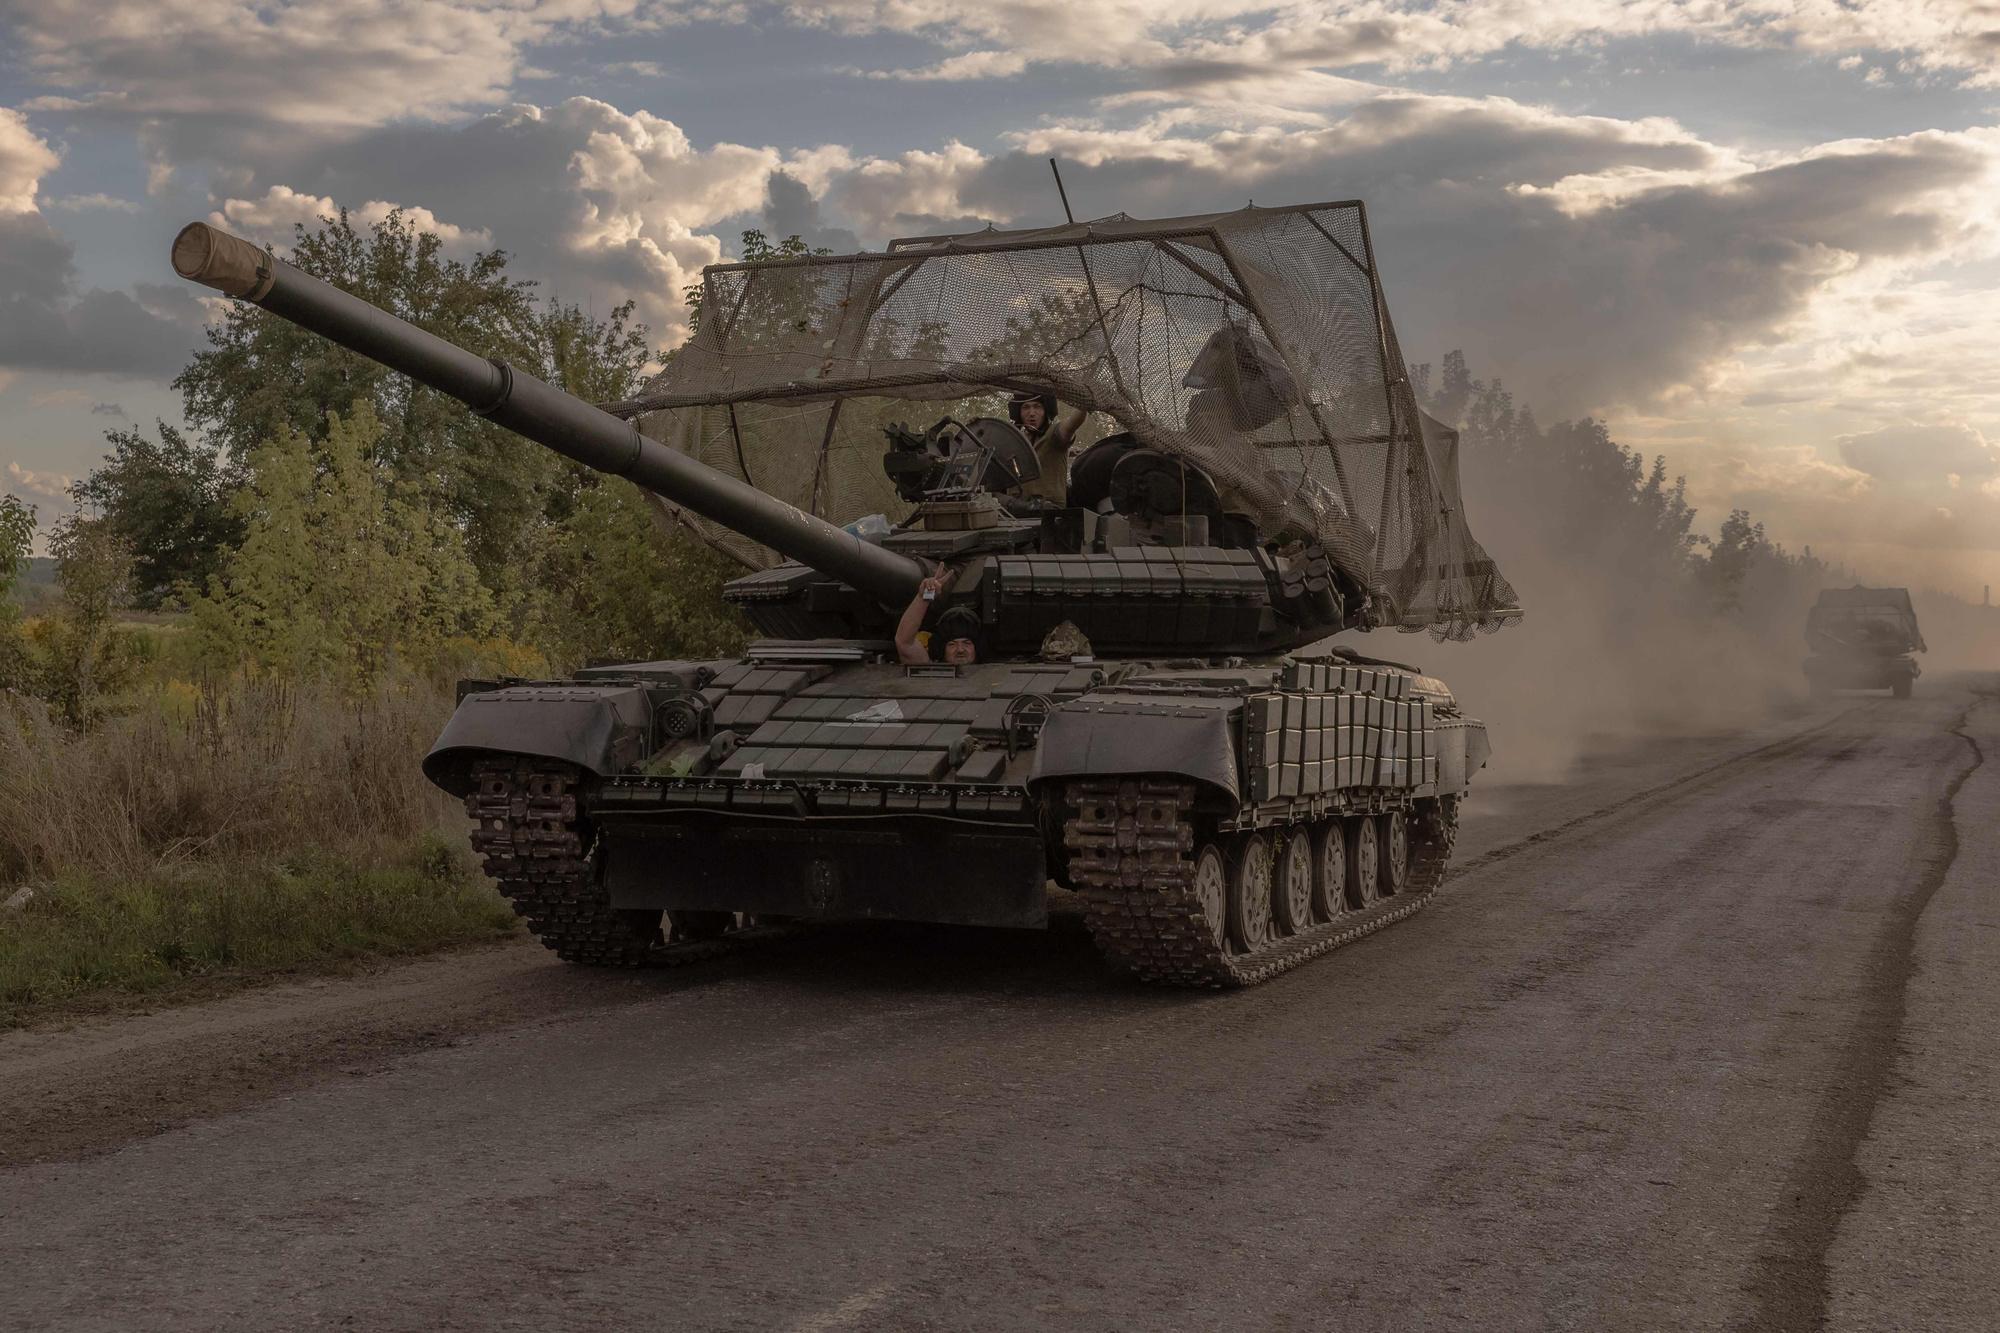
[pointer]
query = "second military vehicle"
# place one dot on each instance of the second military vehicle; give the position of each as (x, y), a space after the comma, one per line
(1861, 639)
(1144, 704)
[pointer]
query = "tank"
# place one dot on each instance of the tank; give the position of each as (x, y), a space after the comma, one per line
(1156, 716)
(1861, 639)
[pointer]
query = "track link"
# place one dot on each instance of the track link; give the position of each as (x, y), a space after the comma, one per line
(531, 837)
(1131, 845)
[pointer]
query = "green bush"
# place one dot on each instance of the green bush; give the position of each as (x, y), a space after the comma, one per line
(86, 936)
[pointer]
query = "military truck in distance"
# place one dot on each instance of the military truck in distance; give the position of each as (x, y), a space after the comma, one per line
(1861, 639)
(1155, 717)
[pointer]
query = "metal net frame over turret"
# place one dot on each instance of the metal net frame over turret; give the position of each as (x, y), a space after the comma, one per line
(1254, 344)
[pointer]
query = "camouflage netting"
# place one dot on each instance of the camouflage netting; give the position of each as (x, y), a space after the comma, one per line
(1255, 344)
(1870, 621)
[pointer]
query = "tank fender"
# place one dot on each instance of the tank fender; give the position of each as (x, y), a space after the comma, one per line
(1462, 750)
(1103, 737)
(599, 728)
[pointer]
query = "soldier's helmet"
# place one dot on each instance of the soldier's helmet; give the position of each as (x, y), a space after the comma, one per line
(1020, 400)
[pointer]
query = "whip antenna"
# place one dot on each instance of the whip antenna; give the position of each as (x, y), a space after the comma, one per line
(1103, 328)
(1061, 192)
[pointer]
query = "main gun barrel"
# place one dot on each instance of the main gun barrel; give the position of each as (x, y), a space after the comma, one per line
(548, 416)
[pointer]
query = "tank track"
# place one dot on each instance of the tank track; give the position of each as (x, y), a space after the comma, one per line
(1131, 845)
(532, 841)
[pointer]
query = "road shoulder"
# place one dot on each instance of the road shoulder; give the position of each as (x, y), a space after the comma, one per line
(1915, 1251)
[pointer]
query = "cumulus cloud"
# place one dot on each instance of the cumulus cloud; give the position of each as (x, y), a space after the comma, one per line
(1275, 51)
(191, 72)
(1934, 458)
(594, 201)
(952, 188)
(24, 160)
(791, 210)
(273, 215)
(1106, 33)
(319, 63)
(47, 322)
(38, 485)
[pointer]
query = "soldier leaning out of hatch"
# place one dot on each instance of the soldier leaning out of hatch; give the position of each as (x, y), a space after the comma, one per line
(1052, 435)
(956, 638)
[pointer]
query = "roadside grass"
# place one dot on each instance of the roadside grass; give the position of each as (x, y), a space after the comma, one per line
(211, 833)
(88, 941)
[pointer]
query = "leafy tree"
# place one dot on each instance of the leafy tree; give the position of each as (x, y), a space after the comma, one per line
(167, 499)
(620, 583)
(263, 378)
(268, 395)
(17, 535)
(756, 248)
(343, 567)
(83, 661)
(1730, 556)
(1740, 558)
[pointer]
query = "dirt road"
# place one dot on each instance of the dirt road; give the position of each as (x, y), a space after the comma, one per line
(1706, 1038)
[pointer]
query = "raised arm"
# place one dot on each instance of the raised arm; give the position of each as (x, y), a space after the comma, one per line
(1068, 424)
(908, 651)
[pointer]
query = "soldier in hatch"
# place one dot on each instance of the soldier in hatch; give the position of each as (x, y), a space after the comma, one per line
(956, 638)
(1052, 435)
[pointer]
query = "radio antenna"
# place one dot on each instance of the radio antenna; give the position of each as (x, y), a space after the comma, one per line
(1103, 326)
(1061, 192)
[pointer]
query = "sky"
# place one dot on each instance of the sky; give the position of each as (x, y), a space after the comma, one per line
(1761, 238)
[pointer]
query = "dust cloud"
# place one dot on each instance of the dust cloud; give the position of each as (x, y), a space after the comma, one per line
(1607, 654)
(1625, 641)
(1643, 619)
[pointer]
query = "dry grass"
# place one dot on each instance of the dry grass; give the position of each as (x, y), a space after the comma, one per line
(249, 767)
(244, 828)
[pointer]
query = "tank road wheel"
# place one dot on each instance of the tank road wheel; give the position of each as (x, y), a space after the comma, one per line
(1173, 906)
(1364, 863)
(1330, 870)
(1250, 922)
(1394, 836)
(1293, 898)
(1211, 889)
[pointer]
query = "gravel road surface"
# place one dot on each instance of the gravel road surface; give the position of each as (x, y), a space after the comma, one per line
(1707, 1037)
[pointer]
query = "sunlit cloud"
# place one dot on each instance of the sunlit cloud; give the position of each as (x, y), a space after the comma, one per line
(30, 484)
(273, 215)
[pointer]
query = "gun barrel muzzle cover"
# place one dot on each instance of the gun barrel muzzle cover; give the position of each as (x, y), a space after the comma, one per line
(230, 264)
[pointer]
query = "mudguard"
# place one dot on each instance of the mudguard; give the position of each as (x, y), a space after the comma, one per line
(1462, 751)
(1101, 735)
(599, 728)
